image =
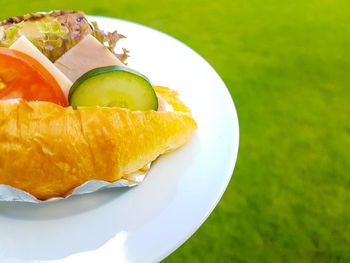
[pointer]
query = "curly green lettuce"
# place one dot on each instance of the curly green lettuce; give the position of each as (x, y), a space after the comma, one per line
(56, 39)
(10, 35)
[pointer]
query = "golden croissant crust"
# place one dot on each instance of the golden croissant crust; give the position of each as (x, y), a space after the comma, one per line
(47, 150)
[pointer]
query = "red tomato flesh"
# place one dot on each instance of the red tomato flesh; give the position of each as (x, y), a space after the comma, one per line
(21, 76)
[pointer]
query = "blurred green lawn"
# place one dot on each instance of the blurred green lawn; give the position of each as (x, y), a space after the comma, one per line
(287, 66)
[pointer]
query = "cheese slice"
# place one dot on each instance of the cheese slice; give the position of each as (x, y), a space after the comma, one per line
(88, 54)
(25, 46)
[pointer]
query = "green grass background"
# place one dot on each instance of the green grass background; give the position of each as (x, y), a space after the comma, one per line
(287, 66)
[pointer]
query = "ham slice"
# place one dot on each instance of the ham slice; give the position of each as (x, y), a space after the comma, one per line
(88, 54)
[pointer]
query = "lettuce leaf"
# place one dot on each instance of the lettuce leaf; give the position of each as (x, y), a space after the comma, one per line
(56, 39)
(109, 40)
(10, 35)
(124, 56)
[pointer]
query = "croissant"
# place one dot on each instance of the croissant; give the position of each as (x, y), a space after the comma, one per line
(48, 150)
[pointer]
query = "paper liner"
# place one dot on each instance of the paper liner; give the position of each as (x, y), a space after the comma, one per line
(9, 193)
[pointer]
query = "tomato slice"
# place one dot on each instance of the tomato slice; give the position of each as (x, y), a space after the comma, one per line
(21, 76)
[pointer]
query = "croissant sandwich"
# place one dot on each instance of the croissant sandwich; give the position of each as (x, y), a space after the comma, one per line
(71, 111)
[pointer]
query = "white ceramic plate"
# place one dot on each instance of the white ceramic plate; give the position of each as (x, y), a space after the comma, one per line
(148, 222)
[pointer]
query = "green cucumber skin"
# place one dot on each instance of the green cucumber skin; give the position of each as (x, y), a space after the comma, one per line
(123, 74)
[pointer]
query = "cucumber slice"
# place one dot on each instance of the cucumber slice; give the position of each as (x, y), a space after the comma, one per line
(113, 86)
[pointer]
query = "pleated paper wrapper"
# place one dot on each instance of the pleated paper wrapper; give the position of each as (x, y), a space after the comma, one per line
(11, 194)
